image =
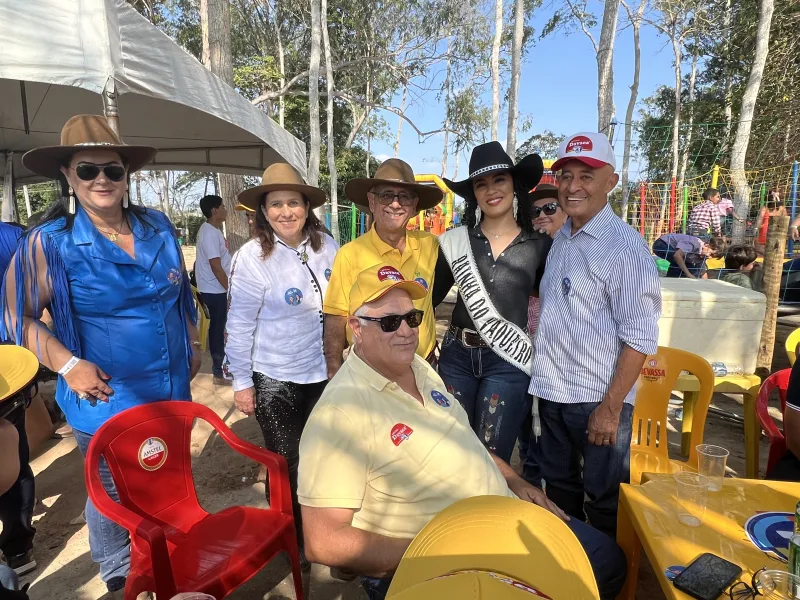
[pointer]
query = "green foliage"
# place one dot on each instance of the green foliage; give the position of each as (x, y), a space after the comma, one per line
(544, 144)
(41, 196)
(350, 163)
(192, 224)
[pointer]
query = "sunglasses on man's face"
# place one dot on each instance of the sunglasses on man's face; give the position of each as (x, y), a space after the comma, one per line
(549, 209)
(391, 323)
(90, 172)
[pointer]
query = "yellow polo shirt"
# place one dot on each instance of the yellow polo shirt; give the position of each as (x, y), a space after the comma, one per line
(371, 447)
(417, 262)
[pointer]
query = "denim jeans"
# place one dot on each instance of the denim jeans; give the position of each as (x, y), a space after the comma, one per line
(218, 316)
(110, 543)
(8, 579)
(492, 392)
(529, 448)
(607, 559)
(16, 505)
(564, 443)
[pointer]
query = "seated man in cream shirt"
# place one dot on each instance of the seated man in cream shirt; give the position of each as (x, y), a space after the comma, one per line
(387, 447)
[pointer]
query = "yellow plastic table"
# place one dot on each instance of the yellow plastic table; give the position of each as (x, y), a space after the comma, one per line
(747, 386)
(648, 519)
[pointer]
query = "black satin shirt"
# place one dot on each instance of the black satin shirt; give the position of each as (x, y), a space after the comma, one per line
(510, 280)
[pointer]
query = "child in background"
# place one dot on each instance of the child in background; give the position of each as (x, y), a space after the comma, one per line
(739, 263)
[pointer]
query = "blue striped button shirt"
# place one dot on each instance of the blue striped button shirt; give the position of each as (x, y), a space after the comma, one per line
(600, 290)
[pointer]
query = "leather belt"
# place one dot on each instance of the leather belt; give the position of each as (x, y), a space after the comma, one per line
(468, 337)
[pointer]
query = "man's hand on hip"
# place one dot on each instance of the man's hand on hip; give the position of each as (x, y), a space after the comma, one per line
(603, 425)
(530, 493)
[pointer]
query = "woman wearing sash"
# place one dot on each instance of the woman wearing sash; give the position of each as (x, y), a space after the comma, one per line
(496, 260)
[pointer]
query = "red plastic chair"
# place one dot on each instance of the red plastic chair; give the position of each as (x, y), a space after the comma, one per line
(777, 443)
(176, 546)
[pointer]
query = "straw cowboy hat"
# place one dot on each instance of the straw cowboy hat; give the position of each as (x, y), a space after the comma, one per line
(18, 368)
(280, 176)
(85, 132)
(490, 157)
(392, 171)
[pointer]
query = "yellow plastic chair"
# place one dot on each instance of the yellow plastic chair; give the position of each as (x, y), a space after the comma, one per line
(649, 448)
(791, 345)
(204, 321)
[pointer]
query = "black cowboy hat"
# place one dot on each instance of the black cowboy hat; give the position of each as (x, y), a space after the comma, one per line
(491, 157)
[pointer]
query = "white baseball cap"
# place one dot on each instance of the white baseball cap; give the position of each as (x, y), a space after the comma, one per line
(588, 147)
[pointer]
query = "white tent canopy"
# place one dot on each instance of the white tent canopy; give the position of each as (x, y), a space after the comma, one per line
(58, 56)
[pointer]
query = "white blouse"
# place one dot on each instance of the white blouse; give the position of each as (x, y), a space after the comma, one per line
(275, 314)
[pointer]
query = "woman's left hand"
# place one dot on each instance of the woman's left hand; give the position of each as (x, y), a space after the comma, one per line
(195, 362)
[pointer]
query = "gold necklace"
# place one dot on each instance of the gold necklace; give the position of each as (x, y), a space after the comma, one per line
(499, 235)
(113, 235)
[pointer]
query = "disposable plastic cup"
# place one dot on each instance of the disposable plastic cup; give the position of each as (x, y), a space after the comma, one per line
(711, 462)
(692, 490)
(777, 585)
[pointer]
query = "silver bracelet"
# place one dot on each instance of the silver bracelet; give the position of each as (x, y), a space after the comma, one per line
(70, 364)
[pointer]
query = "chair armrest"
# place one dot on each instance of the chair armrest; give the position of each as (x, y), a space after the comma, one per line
(280, 497)
(151, 533)
(762, 412)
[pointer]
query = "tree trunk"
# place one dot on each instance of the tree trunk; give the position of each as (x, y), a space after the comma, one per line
(281, 66)
(166, 205)
(687, 143)
(498, 36)
(739, 150)
(636, 23)
(446, 112)
(605, 66)
(313, 94)
(358, 121)
(215, 25)
(137, 178)
(400, 121)
(513, 91)
(676, 120)
(726, 25)
(329, 114)
(773, 269)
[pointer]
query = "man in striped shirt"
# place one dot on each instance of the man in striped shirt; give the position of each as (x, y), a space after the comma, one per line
(706, 215)
(600, 304)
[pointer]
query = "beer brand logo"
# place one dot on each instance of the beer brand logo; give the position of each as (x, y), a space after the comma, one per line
(152, 454)
(385, 273)
(770, 532)
(578, 144)
(652, 372)
(400, 433)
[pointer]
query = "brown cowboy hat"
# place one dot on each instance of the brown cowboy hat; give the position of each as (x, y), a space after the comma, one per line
(392, 171)
(85, 132)
(280, 176)
(542, 191)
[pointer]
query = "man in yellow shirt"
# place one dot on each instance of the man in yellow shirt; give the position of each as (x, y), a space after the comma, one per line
(393, 197)
(387, 447)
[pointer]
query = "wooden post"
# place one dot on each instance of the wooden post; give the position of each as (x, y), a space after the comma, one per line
(773, 268)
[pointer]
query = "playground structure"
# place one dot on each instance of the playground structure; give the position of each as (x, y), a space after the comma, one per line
(656, 208)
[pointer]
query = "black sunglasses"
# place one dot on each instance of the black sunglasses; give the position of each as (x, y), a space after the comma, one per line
(549, 209)
(89, 172)
(391, 323)
(742, 591)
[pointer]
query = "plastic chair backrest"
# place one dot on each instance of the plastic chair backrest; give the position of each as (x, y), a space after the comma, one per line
(777, 442)
(791, 345)
(148, 450)
(655, 385)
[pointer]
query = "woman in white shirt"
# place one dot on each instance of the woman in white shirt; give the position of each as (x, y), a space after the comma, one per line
(274, 330)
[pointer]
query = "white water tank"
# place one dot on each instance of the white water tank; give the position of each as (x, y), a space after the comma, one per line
(717, 320)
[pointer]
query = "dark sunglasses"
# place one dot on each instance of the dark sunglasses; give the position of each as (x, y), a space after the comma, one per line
(89, 172)
(391, 323)
(549, 209)
(742, 591)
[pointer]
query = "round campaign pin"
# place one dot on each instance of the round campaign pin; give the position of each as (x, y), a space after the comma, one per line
(440, 399)
(672, 572)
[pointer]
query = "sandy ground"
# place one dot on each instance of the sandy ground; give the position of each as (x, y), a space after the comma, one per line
(223, 478)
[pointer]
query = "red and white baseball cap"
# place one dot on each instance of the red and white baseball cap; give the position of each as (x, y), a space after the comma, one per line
(588, 147)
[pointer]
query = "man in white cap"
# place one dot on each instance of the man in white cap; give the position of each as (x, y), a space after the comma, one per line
(600, 304)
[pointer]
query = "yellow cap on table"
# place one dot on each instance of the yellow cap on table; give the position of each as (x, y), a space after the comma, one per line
(484, 541)
(18, 368)
(371, 284)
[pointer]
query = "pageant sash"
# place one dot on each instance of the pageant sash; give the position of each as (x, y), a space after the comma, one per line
(508, 341)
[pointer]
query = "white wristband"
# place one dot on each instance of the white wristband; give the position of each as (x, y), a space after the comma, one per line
(70, 364)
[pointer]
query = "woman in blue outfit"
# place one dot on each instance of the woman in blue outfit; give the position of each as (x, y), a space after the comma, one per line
(112, 276)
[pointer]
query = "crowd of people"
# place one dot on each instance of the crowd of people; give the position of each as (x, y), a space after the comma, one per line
(334, 350)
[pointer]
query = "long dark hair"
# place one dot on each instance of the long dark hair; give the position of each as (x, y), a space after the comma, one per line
(60, 208)
(266, 235)
(524, 206)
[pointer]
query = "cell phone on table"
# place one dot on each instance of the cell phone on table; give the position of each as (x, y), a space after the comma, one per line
(707, 577)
